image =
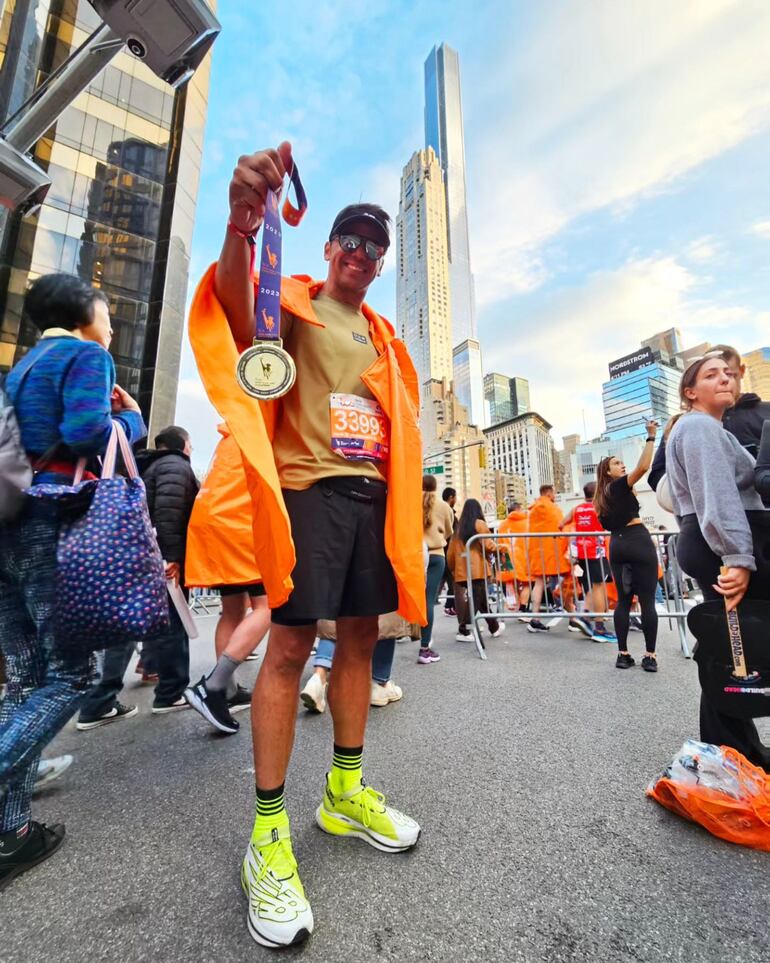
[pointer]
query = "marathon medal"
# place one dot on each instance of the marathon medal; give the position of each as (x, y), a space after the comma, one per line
(266, 370)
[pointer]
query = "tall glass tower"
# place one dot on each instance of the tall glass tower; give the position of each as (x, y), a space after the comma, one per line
(444, 133)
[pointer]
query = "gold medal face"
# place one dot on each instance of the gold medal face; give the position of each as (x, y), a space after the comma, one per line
(266, 371)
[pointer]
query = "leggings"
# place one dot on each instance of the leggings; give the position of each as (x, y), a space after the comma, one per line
(634, 564)
(698, 561)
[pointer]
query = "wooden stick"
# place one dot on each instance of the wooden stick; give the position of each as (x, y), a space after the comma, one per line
(736, 641)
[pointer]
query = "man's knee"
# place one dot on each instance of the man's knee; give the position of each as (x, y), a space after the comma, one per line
(289, 647)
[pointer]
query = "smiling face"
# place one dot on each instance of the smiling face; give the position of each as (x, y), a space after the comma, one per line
(353, 271)
(713, 390)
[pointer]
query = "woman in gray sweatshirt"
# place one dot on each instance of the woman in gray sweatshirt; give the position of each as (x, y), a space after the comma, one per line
(721, 517)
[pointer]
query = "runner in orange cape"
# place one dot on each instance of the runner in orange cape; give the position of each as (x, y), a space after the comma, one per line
(393, 382)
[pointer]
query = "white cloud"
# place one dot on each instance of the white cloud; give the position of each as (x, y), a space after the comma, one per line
(609, 103)
(761, 229)
(702, 249)
(565, 345)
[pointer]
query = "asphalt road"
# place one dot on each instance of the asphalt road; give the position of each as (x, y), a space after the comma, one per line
(527, 773)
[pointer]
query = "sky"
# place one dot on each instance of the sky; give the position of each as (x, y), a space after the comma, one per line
(616, 166)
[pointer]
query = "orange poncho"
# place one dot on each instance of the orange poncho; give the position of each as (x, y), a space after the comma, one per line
(220, 543)
(515, 523)
(546, 556)
(393, 382)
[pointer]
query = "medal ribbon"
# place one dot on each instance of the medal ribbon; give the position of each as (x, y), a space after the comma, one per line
(268, 309)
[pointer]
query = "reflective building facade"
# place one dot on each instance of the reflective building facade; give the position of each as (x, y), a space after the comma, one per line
(124, 160)
(634, 398)
(469, 380)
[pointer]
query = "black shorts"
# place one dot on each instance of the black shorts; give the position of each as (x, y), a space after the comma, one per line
(338, 527)
(595, 572)
(254, 590)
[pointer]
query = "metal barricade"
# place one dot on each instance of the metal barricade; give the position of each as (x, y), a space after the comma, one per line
(674, 588)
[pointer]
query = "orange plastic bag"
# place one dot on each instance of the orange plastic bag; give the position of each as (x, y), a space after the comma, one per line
(718, 788)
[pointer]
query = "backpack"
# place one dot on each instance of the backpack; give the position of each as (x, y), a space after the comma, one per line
(15, 467)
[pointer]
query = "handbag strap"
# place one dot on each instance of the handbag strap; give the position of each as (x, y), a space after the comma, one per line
(118, 438)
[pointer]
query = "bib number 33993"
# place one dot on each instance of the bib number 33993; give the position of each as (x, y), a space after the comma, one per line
(359, 428)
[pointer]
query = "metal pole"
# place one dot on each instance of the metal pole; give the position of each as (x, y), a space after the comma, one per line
(471, 605)
(46, 105)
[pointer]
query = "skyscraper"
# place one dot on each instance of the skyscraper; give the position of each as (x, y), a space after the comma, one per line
(497, 394)
(758, 371)
(520, 396)
(423, 311)
(124, 160)
(469, 380)
(444, 133)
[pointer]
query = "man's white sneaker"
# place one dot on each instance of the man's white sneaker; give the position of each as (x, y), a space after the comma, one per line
(279, 914)
(313, 696)
(499, 631)
(383, 694)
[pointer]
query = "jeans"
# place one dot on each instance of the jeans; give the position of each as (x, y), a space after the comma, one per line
(382, 658)
(167, 654)
(479, 589)
(436, 564)
(45, 685)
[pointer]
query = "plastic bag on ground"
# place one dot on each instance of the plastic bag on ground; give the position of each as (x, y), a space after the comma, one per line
(718, 788)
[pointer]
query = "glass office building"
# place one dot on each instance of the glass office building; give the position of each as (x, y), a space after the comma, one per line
(124, 160)
(497, 394)
(634, 398)
(469, 380)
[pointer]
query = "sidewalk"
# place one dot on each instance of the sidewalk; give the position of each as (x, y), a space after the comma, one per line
(527, 773)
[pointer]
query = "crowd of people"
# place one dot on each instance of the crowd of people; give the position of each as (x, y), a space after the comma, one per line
(335, 545)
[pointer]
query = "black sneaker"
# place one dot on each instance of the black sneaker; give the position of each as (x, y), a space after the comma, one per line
(240, 701)
(212, 705)
(650, 664)
(42, 841)
(624, 661)
(635, 624)
(535, 625)
(118, 711)
(580, 625)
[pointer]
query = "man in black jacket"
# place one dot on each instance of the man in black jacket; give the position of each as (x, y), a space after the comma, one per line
(171, 488)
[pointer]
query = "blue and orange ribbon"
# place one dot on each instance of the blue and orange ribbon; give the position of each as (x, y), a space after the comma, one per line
(268, 308)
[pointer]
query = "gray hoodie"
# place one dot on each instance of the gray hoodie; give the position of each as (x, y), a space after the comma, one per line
(710, 475)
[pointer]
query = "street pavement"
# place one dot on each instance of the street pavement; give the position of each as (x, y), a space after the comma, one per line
(527, 773)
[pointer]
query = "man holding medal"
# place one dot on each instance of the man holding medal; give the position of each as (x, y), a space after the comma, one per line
(333, 464)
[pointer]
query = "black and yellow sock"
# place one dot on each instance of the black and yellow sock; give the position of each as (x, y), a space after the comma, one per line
(346, 771)
(271, 811)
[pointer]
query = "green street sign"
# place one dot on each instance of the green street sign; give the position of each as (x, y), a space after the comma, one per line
(434, 470)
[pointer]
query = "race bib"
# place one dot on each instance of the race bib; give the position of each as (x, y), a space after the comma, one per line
(359, 428)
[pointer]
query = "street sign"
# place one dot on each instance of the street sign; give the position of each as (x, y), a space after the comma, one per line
(434, 470)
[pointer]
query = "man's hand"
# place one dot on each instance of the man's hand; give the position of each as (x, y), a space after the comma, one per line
(121, 400)
(733, 585)
(253, 176)
(173, 571)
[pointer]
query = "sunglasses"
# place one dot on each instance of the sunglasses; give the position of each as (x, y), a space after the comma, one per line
(352, 242)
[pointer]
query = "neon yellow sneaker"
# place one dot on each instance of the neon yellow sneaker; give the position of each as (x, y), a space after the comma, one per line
(362, 812)
(279, 914)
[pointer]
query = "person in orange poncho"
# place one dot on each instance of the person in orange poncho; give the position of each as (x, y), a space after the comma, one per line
(220, 550)
(515, 578)
(546, 557)
(334, 471)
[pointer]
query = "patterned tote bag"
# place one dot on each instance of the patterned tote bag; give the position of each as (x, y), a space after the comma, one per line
(110, 579)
